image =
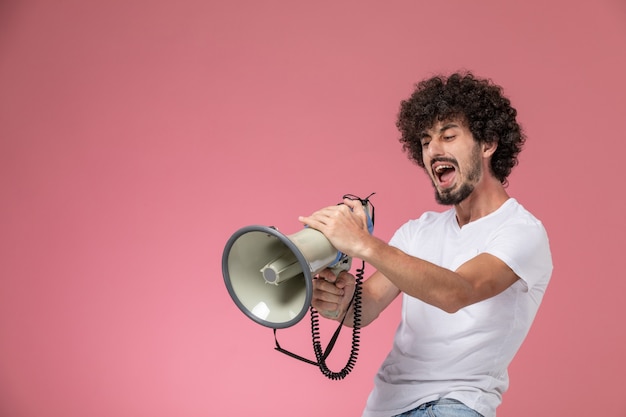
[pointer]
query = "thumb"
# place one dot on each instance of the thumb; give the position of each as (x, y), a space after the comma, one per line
(344, 279)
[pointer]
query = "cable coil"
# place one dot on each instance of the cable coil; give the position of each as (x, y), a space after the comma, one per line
(356, 330)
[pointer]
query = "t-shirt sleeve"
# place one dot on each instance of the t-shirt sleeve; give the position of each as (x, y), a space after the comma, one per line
(400, 238)
(525, 248)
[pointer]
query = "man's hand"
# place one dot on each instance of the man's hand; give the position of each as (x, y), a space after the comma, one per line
(344, 225)
(332, 294)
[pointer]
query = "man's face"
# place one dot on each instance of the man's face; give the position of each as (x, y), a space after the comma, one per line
(453, 160)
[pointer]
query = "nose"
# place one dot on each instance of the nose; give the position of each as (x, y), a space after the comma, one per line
(434, 148)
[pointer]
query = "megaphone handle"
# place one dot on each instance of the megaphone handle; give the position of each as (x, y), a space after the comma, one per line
(344, 265)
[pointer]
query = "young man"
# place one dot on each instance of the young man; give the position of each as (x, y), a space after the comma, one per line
(471, 277)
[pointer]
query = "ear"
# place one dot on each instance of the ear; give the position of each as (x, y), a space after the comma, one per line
(488, 148)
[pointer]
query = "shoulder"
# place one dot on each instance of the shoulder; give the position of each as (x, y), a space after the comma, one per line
(516, 212)
(428, 224)
(429, 218)
(513, 221)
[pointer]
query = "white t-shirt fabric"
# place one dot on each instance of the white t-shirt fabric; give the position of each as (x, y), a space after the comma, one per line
(465, 355)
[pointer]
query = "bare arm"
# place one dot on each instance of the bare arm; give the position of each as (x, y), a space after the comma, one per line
(479, 278)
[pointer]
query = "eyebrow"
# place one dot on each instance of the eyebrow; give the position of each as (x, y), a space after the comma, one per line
(447, 126)
(451, 125)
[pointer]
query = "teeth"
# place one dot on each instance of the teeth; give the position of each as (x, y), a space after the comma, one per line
(440, 168)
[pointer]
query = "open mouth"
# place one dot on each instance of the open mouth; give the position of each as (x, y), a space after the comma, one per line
(444, 173)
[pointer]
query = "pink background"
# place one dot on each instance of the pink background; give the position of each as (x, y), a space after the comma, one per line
(136, 137)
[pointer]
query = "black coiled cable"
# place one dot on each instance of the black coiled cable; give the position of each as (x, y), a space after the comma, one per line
(356, 330)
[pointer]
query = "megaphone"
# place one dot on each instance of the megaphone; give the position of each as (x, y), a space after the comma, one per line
(269, 275)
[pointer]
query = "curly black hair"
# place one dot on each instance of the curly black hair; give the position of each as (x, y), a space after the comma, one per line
(478, 103)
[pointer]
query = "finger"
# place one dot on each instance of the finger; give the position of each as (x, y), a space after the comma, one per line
(328, 275)
(328, 310)
(321, 286)
(326, 297)
(309, 221)
(356, 207)
(326, 303)
(353, 204)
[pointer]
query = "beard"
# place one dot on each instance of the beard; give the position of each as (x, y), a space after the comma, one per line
(452, 197)
(455, 195)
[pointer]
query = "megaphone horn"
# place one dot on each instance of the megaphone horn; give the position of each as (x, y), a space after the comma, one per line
(269, 275)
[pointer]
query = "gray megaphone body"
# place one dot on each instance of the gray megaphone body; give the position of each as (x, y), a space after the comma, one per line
(269, 275)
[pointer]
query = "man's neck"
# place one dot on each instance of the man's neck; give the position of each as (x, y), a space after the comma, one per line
(484, 200)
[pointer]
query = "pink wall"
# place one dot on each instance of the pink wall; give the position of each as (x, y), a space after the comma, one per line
(136, 137)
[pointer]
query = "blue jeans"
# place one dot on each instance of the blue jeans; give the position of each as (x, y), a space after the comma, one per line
(444, 407)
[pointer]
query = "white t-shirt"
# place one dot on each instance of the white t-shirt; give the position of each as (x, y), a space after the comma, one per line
(465, 355)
